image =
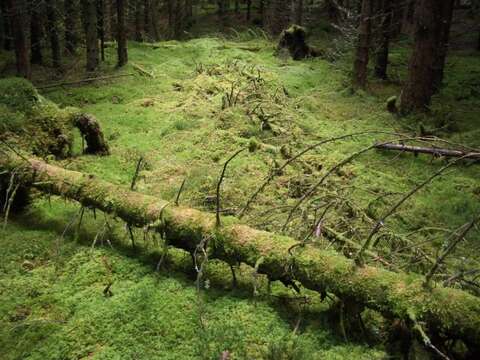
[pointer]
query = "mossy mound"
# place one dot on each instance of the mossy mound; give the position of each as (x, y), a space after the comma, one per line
(33, 123)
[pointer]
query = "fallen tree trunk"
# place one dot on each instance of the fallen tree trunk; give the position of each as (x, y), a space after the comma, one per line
(82, 81)
(428, 150)
(445, 311)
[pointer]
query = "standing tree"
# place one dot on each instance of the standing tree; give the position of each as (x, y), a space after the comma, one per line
(385, 29)
(443, 33)
(53, 33)
(101, 27)
(121, 34)
(36, 34)
(17, 10)
(419, 88)
(363, 46)
(299, 12)
(90, 24)
(71, 24)
(139, 20)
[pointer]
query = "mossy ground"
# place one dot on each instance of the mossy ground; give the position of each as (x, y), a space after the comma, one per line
(207, 98)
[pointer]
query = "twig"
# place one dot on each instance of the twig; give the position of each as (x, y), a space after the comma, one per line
(177, 198)
(392, 210)
(142, 70)
(220, 183)
(289, 161)
(426, 340)
(466, 228)
(132, 237)
(15, 151)
(9, 205)
(137, 170)
(320, 182)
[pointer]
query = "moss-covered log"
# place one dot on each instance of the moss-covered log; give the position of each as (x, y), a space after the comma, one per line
(445, 311)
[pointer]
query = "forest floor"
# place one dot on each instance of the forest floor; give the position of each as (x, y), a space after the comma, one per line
(189, 108)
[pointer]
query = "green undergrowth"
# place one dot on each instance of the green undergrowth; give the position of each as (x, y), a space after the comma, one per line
(31, 122)
(203, 100)
(54, 303)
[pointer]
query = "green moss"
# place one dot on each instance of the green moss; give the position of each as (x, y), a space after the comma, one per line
(185, 134)
(18, 94)
(32, 122)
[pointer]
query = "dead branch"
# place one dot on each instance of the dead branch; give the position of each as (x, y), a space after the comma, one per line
(333, 169)
(88, 80)
(219, 184)
(466, 228)
(427, 150)
(380, 223)
(142, 71)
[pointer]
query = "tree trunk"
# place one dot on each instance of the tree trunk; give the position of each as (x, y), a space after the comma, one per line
(91, 33)
(189, 13)
(278, 16)
(408, 15)
(360, 67)
(139, 20)
(53, 33)
(17, 10)
(36, 35)
(448, 311)
(299, 12)
(71, 26)
(249, 9)
(146, 17)
(3, 26)
(381, 60)
(446, 16)
(418, 90)
(101, 27)
(261, 12)
(121, 34)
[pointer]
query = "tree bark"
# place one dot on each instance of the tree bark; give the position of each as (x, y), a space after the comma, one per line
(17, 9)
(449, 311)
(71, 26)
(446, 15)
(146, 17)
(4, 26)
(36, 35)
(101, 27)
(91, 33)
(277, 16)
(121, 34)
(139, 20)
(419, 88)
(381, 60)
(360, 67)
(53, 33)
(299, 13)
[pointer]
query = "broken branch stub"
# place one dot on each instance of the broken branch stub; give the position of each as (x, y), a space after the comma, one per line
(92, 133)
